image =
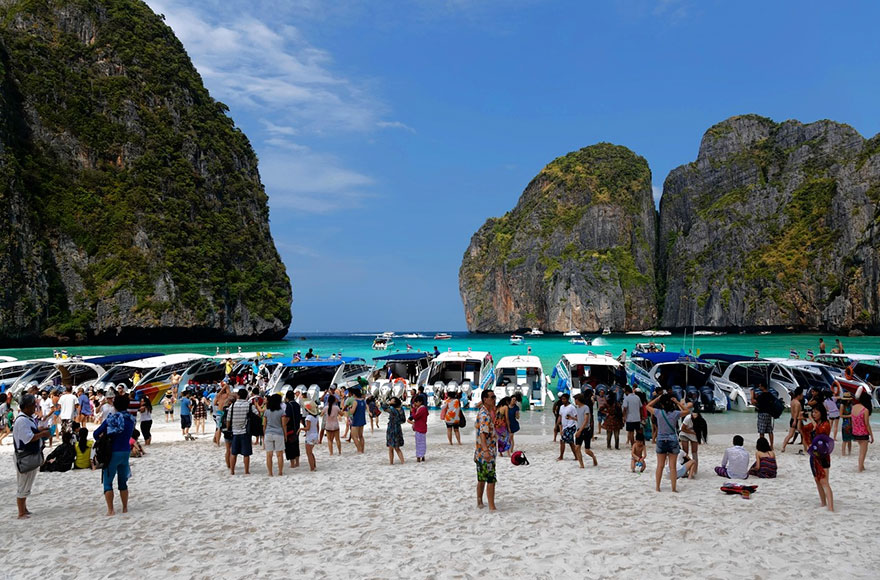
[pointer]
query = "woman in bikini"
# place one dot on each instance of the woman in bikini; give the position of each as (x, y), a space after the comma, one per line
(861, 426)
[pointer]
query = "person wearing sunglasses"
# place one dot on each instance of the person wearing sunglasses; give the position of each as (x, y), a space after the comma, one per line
(486, 449)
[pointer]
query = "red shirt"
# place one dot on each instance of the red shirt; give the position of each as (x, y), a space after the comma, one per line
(420, 419)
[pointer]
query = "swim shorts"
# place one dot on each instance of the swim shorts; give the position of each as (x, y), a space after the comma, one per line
(568, 434)
(485, 471)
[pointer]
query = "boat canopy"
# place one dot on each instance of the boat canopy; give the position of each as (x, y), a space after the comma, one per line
(115, 359)
(334, 362)
(665, 357)
(728, 358)
(404, 356)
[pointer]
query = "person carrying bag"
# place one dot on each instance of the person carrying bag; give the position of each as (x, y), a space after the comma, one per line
(27, 440)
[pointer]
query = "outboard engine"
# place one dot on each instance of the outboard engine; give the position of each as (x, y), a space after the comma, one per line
(467, 388)
(691, 393)
(707, 395)
(678, 392)
(398, 390)
(384, 392)
(312, 393)
(374, 389)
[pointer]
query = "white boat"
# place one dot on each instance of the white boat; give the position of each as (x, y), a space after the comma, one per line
(382, 343)
(387, 335)
(516, 339)
(650, 333)
(865, 367)
(689, 378)
(580, 340)
(649, 347)
(212, 370)
(735, 375)
(577, 372)
(442, 336)
(314, 376)
(535, 332)
(704, 333)
(467, 372)
(4, 359)
(155, 375)
(572, 333)
(606, 331)
(11, 371)
(398, 374)
(413, 335)
(523, 375)
(765, 332)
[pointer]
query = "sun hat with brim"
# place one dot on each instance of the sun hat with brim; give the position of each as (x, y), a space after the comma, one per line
(846, 395)
(311, 407)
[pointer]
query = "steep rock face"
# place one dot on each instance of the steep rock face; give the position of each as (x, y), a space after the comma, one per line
(131, 208)
(774, 224)
(577, 251)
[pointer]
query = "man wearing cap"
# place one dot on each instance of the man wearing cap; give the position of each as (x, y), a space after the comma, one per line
(27, 439)
(486, 449)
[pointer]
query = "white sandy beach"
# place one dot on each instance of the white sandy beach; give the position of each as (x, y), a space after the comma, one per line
(358, 517)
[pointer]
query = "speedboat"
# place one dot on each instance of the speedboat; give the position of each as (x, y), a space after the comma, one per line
(414, 335)
(572, 333)
(650, 333)
(577, 372)
(865, 367)
(523, 375)
(382, 343)
(11, 371)
(314, 376)
(516, 339)
(810, 374)
(466, 372)
(689, 378)
(442, 336)
(535, 332)
(398, 373)
(581, 340)
(155, 376)
(649, 347)
(735, 375)
(212, 370)
(606, 331)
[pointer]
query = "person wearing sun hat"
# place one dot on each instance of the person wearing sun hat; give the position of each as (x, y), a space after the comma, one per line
(311, 430)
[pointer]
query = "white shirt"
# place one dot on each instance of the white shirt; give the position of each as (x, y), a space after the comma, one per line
(23, 430)
(67, 402)
(568, 416)
(46, 409)
(736, 460)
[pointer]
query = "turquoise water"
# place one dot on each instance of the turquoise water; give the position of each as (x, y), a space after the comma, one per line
(549, 347)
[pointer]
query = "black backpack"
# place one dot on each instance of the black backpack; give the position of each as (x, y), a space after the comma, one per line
(778, 408)
(103, 450)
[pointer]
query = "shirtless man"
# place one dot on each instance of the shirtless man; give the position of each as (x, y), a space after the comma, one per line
(220, 401)
(794, 425)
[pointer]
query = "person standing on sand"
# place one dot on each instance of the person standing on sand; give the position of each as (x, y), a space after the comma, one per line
(168, 404)
(632, 413)
(513, 417)
(237, 423)
(27, 439)
(613, 420)
(358, 419)
(145, 418)
(583, 435)
(393, 432)
(568, 417)
(68, 404)
(120, 427)
(274, 427)
(502, 430)
(794, 424)
(861, 426)
(450, 411)
(331, 424)
(311, 431)
(486, 449)
(220, 400)
(419, 421)
(667, 409)
(293, 412)
(764, 401)
(186, 415)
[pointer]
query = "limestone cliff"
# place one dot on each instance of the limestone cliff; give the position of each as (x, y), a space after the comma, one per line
(131, 208)
(774, 224)
(577, 251)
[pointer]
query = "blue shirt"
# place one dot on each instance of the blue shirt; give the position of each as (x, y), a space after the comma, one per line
(122, 440)
(185, 405)
(85, 406)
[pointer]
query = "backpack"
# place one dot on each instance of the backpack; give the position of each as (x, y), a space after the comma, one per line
(778, 408)
(103, 450)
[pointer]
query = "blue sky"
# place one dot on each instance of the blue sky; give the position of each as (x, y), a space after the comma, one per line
(388, 132)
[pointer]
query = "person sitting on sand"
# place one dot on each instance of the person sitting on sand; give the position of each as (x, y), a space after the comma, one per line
(765, 460)
(62, 457)
(136, 449)
(735, 463)
(83, 449)
(638, 454)
(685, 465)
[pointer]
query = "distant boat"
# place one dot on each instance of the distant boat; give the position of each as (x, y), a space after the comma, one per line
(516, 339)
(765, 332)
(580, 340)
(382, 343)
(442, 336)
(414, 335)
(704, 333)
(572, 333)
(387, 335)
(535, 332)
(606, 331)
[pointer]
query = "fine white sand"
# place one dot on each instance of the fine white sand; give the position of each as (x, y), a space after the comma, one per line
(358, 517)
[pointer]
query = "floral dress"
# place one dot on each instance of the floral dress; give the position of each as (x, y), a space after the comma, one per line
(502, 432)
(846, 420)
(393, 433)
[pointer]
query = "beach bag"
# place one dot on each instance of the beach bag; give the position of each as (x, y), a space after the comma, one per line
(462, 421)
(26, 462)
(254, 424)
(519, 458)
(103, 450)
(778, 407)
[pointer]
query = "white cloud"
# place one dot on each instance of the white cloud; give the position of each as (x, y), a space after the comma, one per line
(265, 67)
(395, 125)
(311, 182)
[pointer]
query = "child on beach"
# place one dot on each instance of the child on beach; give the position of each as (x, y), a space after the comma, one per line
(846, 423)
(311, 431)
(638, 454)
(168, 403)
(374, 411)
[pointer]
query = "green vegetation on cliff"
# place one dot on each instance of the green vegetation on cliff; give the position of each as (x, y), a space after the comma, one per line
(125, 154)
